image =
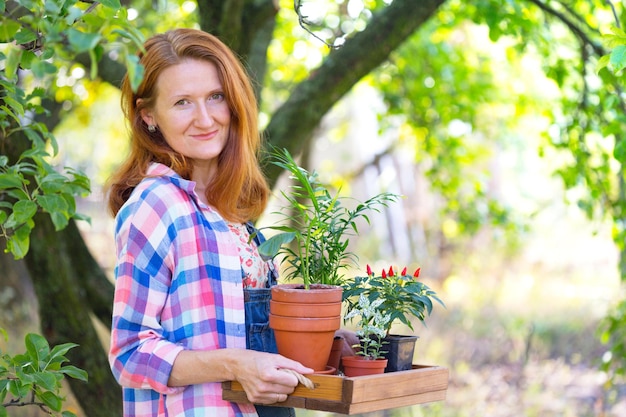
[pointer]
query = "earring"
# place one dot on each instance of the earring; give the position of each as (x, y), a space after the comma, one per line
(151, 128)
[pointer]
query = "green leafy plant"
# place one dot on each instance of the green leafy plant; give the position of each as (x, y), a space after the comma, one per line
(612, 331)
(399, 296)
(371, 328)
(42, 39)
(319, 223)
(34, 377)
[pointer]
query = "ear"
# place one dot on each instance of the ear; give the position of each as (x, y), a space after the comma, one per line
(146, 114)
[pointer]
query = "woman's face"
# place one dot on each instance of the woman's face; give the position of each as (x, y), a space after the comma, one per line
(192, 113)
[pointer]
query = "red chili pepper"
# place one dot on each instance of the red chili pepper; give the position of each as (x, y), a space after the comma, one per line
(384, 274)
(403, 272)
(369, 271)
(391, 271)
(417, 272)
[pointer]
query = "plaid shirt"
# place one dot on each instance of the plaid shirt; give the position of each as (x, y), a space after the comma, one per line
(178, 286)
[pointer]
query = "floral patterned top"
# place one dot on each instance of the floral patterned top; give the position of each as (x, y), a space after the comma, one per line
(255, 270)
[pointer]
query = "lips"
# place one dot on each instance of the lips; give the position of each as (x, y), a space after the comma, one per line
(205, 136)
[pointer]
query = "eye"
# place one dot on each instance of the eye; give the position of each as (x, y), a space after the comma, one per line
(181, 102)
(218, 97)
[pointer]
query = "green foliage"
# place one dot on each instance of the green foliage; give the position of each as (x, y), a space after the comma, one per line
(40, 38)
(443, 90)
(612, 332)
(35, 376)
(371, 328)
(398, 296)
(616, 59)
(320, 225)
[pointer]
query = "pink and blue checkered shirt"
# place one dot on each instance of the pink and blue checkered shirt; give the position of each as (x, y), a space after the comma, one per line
(178, 286)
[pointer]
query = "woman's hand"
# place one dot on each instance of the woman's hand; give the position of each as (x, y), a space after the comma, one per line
(262, 378)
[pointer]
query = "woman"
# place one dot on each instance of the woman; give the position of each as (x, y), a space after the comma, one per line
(182, 202)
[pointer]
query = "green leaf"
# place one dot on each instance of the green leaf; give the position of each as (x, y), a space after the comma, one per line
(52, 183)
(23, 211)
(12, 62)
(73, 14)
(620, 150)
(8, 29)
(60, 220)
(51, 7)
(46, 380)
(81, 41)
(618, 58)
(52, 203)
(135, 71)
(51, 400)
(74, 372)
(37, 348)
(15, 105)
(93, 73)
(271, 246)
(42, 68)
(59, 351)
(10, 181)
(19, 242)
(132, 34)
(28, 57)
(603, 62)
(25, 35)
(112, 4)
(19, 389)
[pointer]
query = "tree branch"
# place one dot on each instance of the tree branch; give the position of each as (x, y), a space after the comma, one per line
(293, 123)
(577, 31)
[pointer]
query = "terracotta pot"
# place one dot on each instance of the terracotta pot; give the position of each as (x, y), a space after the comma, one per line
(303, 335)
(306, 340)
(359, 366)
(328, 371)
(316, 294)
(335, 352)
(280, 308)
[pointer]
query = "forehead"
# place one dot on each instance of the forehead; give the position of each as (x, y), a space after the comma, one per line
(187, 77)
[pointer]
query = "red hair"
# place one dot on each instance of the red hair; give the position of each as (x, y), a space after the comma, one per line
(239, 190)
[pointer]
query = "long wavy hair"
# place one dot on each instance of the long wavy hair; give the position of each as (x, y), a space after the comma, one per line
(239, 190)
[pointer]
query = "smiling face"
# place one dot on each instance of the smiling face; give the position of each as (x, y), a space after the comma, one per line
(192, 114)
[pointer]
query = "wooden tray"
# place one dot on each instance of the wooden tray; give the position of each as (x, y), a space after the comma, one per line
(339, 394)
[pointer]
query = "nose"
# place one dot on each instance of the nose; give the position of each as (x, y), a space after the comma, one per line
(204, 117)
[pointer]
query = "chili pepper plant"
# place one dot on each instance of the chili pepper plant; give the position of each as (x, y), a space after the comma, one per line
(400, 296)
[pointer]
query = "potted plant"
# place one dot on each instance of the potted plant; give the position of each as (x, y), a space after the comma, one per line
(401, 297)
(313, 243)
(371, 331)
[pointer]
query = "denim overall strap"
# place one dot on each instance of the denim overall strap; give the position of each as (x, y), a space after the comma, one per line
(259, 336)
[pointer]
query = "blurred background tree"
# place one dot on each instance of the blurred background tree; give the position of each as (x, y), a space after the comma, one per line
(423, 98)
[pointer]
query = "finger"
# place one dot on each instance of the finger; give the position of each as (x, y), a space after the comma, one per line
(296, 366)
(301, 378)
